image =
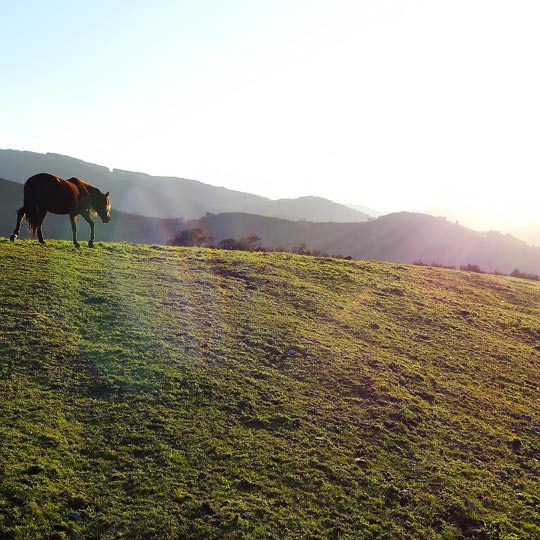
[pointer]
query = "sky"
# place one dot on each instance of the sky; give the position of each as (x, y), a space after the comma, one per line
(419, 105)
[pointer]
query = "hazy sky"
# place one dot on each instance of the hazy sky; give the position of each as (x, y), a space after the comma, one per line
(397, 105)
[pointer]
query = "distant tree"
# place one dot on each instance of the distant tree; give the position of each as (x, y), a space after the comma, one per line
(524, 275)
(301, 249)
(471, 268)
(246, 243)
(253, 242)
(227, 243)
(191, 237)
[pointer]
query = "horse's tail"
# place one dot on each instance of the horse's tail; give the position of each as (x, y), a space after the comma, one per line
(33, 218)
(34, 207)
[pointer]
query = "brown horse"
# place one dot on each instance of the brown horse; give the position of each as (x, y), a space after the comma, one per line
(46, 192)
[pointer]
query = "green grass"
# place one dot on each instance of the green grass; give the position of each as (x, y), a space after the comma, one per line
(164, 393)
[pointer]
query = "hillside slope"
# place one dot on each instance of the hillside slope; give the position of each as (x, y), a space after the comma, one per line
(153, 392)
(169, 197)
(402, 237)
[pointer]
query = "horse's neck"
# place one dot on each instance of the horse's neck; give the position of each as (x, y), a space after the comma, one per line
(81, 184)
(92, 191)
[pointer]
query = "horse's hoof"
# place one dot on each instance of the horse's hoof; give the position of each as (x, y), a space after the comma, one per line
(91, 244)
(76, 244)
(13, 237)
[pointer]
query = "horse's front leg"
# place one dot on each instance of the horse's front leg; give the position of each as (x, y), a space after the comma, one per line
(86, 216)
(73, 219)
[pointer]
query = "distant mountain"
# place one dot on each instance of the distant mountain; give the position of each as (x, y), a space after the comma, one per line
(402, 237)
(311, 208)
(123, 227)
(169, 197)
(366, 210)
(528, 233)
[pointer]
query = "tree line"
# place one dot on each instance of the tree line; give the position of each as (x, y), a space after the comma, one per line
(196, 237)
(516, 272)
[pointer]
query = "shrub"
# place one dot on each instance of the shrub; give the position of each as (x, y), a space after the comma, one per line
(246, 243)
(471, 268)
(190, 238)
(524, 275)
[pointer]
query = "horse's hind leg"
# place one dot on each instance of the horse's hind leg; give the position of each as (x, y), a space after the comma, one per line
(39, 222)
(73, 220)
(20, 215)
(40, 235)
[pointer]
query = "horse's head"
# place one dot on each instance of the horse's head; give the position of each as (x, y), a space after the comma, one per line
(102, 205)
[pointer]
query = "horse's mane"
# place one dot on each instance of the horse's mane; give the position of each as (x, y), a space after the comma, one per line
(92, 191)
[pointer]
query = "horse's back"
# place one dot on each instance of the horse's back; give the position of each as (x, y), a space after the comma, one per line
(41, 179)
(50, 192)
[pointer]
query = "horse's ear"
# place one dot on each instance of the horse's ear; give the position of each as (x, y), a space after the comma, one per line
(107, 194)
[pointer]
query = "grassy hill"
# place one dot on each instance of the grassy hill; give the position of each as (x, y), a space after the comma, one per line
(153, 392)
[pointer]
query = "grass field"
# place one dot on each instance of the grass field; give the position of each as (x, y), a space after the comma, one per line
(149, 392)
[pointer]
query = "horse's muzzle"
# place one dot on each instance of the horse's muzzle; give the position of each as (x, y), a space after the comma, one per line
(106, 220)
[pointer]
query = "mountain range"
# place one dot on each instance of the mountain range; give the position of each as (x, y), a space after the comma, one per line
(170, 197)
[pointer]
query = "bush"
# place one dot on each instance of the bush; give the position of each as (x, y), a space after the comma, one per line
(190, 238)
(471, 268)
(524, 275)
(246, 243)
